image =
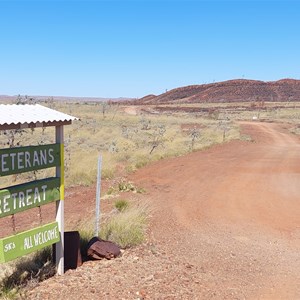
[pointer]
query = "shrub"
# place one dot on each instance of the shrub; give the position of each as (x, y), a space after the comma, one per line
(140, 190)
(140, 164)
(121, 205)
(126, 228)
(124, 186)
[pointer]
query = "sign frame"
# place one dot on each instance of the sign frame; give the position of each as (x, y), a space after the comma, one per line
(30, 158)
(19, 117)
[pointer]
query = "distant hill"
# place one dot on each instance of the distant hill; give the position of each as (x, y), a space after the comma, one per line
(12, 99)
(239, 90)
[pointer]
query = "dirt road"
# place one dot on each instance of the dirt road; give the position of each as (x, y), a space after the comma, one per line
(225, 225)
(255, 183)
(237, 212)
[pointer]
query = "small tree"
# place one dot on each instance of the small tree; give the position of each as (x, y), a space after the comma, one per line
(25, 100)
(104, 106)
(194, 135)
(224, 127)
(145, 123)
(157, 137)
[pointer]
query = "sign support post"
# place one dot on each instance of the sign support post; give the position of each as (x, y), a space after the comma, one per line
(59, 247)
(98, 192)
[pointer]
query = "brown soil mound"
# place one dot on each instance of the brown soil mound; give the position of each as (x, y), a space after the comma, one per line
(239, 90)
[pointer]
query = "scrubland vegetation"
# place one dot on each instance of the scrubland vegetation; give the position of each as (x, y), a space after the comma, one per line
(127, 142)
(127, 224)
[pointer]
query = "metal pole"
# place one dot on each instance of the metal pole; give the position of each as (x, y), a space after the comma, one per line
(59, 247)
(98, 192)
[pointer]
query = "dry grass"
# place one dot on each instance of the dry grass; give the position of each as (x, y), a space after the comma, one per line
(129, 142)
(25, 271)
(126, 142)
(126, 226)
(121, 205)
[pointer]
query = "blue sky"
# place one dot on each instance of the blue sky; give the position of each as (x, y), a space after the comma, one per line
(134, 48)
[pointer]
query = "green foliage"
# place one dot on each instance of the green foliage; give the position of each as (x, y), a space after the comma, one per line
(121, 204)
(124, 186)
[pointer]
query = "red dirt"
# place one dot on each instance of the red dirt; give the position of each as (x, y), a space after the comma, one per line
(225, 225)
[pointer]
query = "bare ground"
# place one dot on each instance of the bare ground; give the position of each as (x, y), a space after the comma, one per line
(225, 224)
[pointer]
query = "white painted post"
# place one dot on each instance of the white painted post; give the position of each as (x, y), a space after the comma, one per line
(59, 247)
(98, 192)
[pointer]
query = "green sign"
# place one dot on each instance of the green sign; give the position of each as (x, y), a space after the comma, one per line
(24, 159)
(21, 197)
(28, 241)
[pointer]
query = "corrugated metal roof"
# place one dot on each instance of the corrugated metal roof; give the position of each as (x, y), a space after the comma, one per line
(13, 114)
